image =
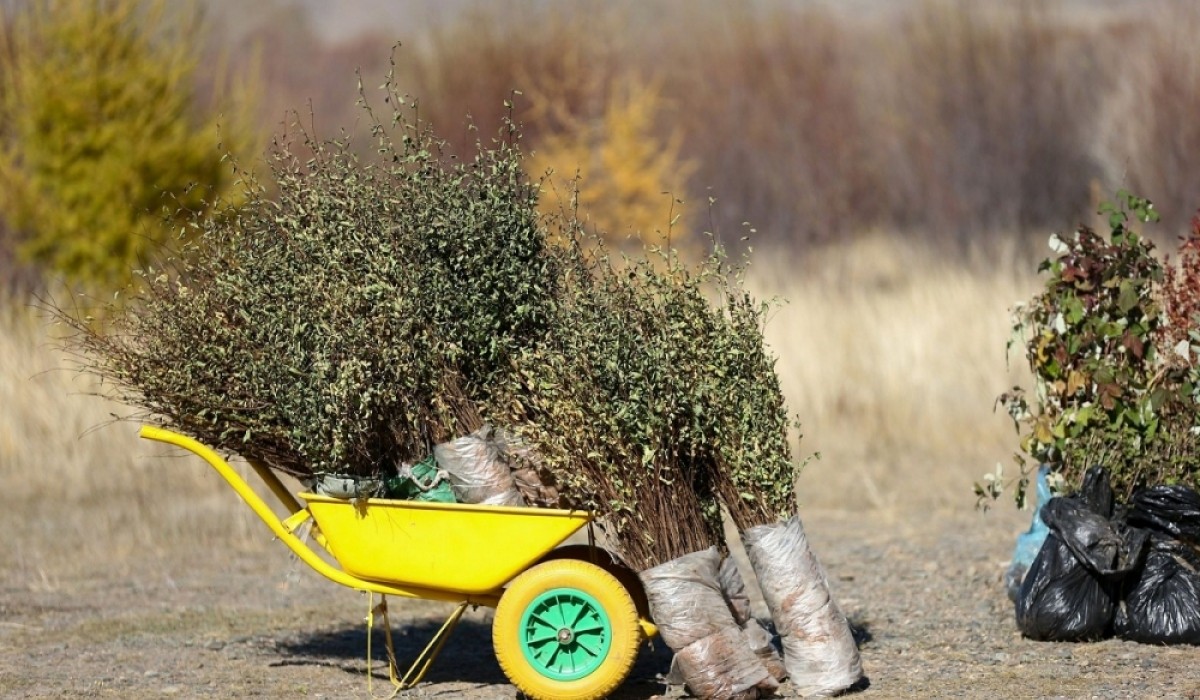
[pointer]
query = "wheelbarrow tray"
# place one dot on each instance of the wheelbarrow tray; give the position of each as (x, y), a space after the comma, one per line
(448, 546)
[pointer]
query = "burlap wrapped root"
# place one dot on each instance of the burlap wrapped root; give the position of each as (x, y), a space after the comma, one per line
(818, 647)
(477, 470)
(733, 586)
(693, 619)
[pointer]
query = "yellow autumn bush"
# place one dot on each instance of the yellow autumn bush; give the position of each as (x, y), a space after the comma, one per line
(628, 181)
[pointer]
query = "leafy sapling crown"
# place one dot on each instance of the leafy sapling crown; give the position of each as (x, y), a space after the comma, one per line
(654, 384)
(352, 314)
(1104, 391)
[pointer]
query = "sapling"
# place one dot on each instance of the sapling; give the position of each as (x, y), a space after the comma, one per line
(352, 314)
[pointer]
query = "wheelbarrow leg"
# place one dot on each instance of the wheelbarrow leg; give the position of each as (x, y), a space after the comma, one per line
(420, 666)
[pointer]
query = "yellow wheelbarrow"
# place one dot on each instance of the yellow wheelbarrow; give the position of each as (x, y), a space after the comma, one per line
(569, 620)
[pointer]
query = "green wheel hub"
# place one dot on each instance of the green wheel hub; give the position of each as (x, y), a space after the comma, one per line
(565, 634)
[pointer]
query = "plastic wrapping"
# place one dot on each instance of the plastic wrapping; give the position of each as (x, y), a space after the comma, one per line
(1162, 604)
(535, 483)
(1060, 600)
(1029, 543)
(1096, 492)
(819, 651)
(1171, 510)
(694, 620)
(478, 472)
(345, 486)
(733, 586)
(761, 642)
(1070, 592)
(685, 598)
(718, 666)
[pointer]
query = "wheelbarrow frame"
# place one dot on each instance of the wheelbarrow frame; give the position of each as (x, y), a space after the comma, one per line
(286, 530)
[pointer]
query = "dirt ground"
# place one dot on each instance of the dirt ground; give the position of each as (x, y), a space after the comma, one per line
(924, 589)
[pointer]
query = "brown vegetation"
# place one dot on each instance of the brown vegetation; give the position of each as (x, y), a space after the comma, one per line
(949, 121)
(953, 121)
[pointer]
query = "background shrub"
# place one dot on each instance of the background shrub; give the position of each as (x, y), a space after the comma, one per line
(1109, 392)
(104, 134)
(614, 166)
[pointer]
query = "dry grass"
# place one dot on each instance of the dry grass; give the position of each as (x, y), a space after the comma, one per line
(82, 492)
(891, 357)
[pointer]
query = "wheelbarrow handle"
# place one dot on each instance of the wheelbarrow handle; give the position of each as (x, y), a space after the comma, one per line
(284, 530)
(230, 475)
(281, 492)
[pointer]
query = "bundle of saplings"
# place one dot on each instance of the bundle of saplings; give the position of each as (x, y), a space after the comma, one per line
(607, 403)
(1113, 343)
(751, 472)
(351, 316)
(653, 401)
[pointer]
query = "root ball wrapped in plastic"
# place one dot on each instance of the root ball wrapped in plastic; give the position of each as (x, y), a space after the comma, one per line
(685, 598)
(533, 480)
(757, 637)
(733, 587)
(694, 620)
(1162, 599)
(477, 471)
(1162, 602)
(819, 651)
(1071, 591)
(718, 666)
(1170, 510)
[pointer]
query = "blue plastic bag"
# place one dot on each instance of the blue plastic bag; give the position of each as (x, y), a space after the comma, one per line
(1029, 543)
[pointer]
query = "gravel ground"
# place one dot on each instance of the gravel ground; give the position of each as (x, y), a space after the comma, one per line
(925, 590)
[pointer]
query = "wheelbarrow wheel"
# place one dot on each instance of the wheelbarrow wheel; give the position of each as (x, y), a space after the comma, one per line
(566, 630)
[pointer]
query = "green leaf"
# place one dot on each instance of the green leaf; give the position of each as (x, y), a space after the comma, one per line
(1128, 297)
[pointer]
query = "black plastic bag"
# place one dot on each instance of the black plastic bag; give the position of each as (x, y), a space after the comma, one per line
(1170, 510)
(1071, 590)
(1096, 492)
(1162, 603)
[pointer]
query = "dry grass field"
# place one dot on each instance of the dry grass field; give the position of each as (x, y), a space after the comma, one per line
(892, 357)
(82, 491)
(131, 572)
(955, 122)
